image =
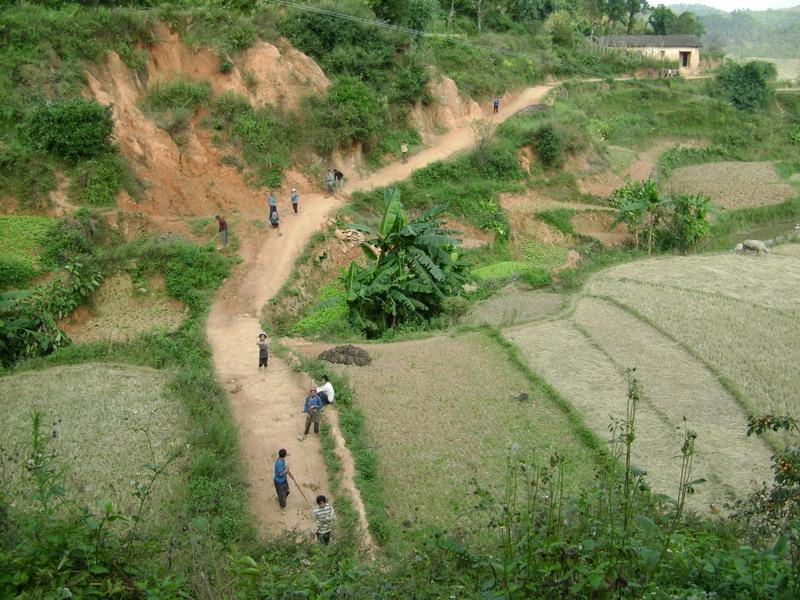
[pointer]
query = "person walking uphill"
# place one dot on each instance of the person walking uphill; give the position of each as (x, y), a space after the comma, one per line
(281, 477)
(272, 203)
(313, 410)
(496, 104)
(223, 230)
(295, 198)
(324, 517)
(263, 350)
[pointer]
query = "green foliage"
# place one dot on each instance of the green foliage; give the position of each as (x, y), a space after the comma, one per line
(328, 317)
(349, 113)
(177, 93)
(559, 218)
(746, 86)
(543, 256)
(549, 144)
(666, 22)
(97, 181)
(537, 277)
(690, 220)
(412, 266)
(73, 237)
(502, 270)
(795, 136)
(20, 243)
(71, 129)
(265, 138)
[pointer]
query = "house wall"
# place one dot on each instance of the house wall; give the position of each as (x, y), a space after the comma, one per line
(674, 55)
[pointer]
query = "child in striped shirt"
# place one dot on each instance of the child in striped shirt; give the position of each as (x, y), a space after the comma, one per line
(324, 517)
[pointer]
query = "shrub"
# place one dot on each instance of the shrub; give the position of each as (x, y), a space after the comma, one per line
(96, 182)
(349, 113)
(549, 144)
(746, 86)
(72, 237)
(795, 136)
(177, 93)
(19, 245)
(14, 272)
(71, 129)
(536, 277)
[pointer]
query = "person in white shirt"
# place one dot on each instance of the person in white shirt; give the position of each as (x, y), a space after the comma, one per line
(325, 391)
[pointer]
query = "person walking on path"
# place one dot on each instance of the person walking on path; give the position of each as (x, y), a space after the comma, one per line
(313, 411)
(263, 350)
(325, 391)
(273, 203)
(275, 220)
(329, 179)
(223, 230)
(295, 198)
(496, 104)
(404, 152)
(281, 477)
(324, 516)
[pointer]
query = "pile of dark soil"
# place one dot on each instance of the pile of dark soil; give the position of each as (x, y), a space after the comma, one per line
(347, 355)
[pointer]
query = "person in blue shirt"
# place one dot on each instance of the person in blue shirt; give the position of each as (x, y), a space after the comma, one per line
(295, 198)
(496, 104)
(281, 477)
(272, 202)
(313, 410)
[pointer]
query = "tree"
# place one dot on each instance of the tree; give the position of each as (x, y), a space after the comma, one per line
(746, 86)
(394, 11)
(412, 267)
(633, 8)
(665, 22)
(639, 206)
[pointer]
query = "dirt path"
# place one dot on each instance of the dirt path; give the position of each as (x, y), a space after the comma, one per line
(266, 406)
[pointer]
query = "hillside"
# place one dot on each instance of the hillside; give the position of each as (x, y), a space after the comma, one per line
(554, 377)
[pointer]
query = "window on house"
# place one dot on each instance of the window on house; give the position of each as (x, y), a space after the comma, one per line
(685, 59)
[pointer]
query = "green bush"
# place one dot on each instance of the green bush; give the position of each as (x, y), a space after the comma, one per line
(501, 270)
(20, 244)
(95, 182)
(349, 113)
(14, 272)
(795, 136)
(549, 145)
(536, 277)
(71, 129)
(329, 315)
(177, 93)
(746, 86)
(73, 237)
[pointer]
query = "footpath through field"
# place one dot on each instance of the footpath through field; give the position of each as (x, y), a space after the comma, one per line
(267, 406)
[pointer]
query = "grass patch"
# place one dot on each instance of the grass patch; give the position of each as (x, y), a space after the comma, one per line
(559, 218)
(21, 239)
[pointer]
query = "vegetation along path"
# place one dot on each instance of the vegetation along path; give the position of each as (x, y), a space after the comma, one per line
(267, 406)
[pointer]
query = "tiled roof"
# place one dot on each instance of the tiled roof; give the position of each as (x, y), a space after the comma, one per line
(650, 41)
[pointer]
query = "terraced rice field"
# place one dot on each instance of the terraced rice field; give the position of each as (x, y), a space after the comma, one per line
(93, 413)
(733, 184)
(444, 411)
(739, 314)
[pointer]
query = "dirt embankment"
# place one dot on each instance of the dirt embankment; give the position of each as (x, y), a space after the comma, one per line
(192, 180)
(449, 109)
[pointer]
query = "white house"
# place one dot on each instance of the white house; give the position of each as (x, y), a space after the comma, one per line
(683, 49)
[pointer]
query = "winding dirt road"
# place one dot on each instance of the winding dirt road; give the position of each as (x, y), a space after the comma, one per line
(267, 406)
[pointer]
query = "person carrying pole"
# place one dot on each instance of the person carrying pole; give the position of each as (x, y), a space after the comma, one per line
(281, 478)
(324, 517)
(313, 411)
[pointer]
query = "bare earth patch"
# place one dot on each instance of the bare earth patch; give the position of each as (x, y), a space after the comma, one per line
(597, 224)
(119, 311)
(92, 412)
(445, 410)
(733, 184)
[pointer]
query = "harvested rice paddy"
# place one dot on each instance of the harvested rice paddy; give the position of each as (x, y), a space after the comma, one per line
(733, 184)
(92, 415)
(444, 411)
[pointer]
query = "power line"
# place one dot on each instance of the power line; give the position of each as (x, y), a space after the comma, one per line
(503, 51)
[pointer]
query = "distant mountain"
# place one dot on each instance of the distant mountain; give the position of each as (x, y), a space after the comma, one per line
(698, 9)
(747, 33)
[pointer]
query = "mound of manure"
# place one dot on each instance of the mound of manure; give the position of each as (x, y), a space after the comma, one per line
(347, 355)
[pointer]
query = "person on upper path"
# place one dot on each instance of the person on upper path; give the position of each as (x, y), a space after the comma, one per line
(295, 198)
(325, 391)
(263, 350)
(329, 179)
(313, 411)
(404, 152)
(496, 104)
(324, 516)
(272, 203)
(223, 230)
(281, 478)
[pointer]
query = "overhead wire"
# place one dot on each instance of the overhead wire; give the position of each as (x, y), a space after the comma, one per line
(503, 51)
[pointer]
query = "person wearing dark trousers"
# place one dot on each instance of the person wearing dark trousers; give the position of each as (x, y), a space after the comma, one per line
(496, 104)
(324, 517)
(223, 229)
(313, 410)
(281, 477)
(273, 203)
(263, 350)
(295, 198)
